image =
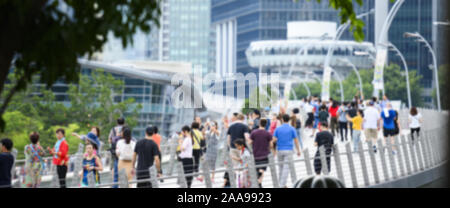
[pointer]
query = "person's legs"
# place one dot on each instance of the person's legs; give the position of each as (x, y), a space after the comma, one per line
(317, 163)
(116, 173)
(299, 135)
(62, 171)
(356, 138)
(341, 128)
(143, 175)
(284, 170)
(196, 154)
(351, 129)
(188, 169)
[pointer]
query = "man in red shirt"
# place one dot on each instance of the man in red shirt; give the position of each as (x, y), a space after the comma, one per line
(60, 156)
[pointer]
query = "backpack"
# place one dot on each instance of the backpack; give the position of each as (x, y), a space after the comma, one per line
(127, 153)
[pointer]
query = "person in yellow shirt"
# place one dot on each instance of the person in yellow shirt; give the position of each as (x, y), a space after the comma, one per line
(197, 146)
(357, 122)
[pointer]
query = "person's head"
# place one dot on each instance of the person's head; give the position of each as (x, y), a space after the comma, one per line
(323, 108)
(285, 118)
(127, 134)
(6, 145)
(214, 125)
(96, 131)
(34, 138)
(121, 121)
(239, 143)
(256, 114)
(186, 131)
(149, 131)
(323, 126)
(413, 111)
(374, 99)
(198, 119)
(263, 123)
(240, 117)
(234, 117)
(89, 149)
(274, 116)
(195, 125)
(296, 111)
(360, 113)
(353, 104)
(155, 130)
(60, 133)
(385, 97)
(388, 105)
(371, 103)
(335, 104)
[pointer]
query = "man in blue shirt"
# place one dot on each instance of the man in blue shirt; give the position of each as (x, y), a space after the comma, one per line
(285, 136)
(388, 115)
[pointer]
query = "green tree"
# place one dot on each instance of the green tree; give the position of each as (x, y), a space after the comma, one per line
(47, 37)
(394, 80)
(19, 128)
(264, 99)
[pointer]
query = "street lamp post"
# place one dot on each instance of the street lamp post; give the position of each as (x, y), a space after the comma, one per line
(436, 74)
(408, 86)
(357, 74)
(326, 71)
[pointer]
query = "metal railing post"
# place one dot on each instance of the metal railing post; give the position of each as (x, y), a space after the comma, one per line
(273, 171)
(206, 175)
(307, 162)
(399, 156)
(381, 152)
(373, 162)
(351, 165)
(123, 179)
(154, 176)
(337, 160)
(363, 164)
(323, 160)
(391, 159)
(181, 180)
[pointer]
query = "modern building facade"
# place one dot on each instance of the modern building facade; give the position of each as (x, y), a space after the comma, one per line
(149, 84)
(237, 23)
(415, 16)
(183, 34)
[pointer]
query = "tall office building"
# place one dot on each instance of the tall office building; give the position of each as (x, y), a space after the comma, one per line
(184, 32)
(236, 23)
(415, 16)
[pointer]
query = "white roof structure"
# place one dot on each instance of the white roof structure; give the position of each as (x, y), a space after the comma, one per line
(306, 47)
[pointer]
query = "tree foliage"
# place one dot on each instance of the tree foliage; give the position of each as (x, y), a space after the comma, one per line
(394, 80)
(47, 37)
(91, 103)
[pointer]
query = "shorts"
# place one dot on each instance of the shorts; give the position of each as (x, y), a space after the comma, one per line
(264, 161)
(389, 132)
(316, 122)
(310, 120)
(371, 134)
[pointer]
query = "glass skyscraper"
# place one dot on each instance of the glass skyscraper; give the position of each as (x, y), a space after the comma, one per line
(415, 16)
(184, 32)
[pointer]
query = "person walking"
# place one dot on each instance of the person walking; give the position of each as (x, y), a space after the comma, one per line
(91, 164)
(6, 163)
(60, 154)
(334, 117)
(157, 138)
(113, 137)
(212, 143)
(242, 175)
(285, 136)
(185, 155)
(323, 138)
(371, 124)
(356, 122)
(275, 122)
(297, 124)
(256, 116)
(388, 115)
(237, 131)
(343, 123)
(34, 164)
(415, 122)
(323, 115)
(124, 151)
(351, 112)
(146, 155)
(198, 145)
(261, 140)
